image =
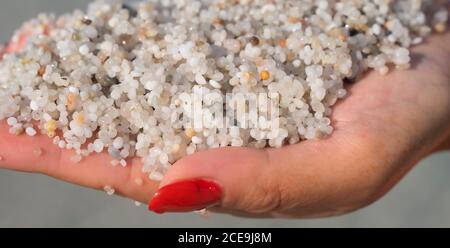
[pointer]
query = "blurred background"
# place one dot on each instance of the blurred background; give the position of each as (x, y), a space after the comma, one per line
(422, 199)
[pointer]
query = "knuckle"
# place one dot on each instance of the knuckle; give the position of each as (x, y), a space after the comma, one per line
(265, 194)
(270, 195)
(265, 197)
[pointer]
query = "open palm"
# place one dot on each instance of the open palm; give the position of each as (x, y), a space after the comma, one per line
(382, 129)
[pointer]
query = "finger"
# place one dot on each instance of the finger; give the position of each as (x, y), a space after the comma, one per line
(39, 155)
(19, 39)
(303, 179)
(241, 173)
(2, 51)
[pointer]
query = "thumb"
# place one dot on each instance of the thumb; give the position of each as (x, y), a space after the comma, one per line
(241, 179)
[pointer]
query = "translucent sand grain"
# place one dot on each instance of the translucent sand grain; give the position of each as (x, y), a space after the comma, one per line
(109, 190)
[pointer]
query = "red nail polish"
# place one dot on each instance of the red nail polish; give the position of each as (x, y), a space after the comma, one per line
(186, 196)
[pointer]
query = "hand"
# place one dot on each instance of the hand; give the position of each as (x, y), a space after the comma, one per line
(382, 129)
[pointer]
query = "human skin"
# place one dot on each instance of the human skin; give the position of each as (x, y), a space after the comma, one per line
(383, 128)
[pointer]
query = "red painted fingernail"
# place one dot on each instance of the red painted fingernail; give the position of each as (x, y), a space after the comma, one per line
(186, 196)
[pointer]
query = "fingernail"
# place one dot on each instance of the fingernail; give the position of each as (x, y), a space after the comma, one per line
(186, 196)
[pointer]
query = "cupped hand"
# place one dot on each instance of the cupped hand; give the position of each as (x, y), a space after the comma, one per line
(382, 129)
